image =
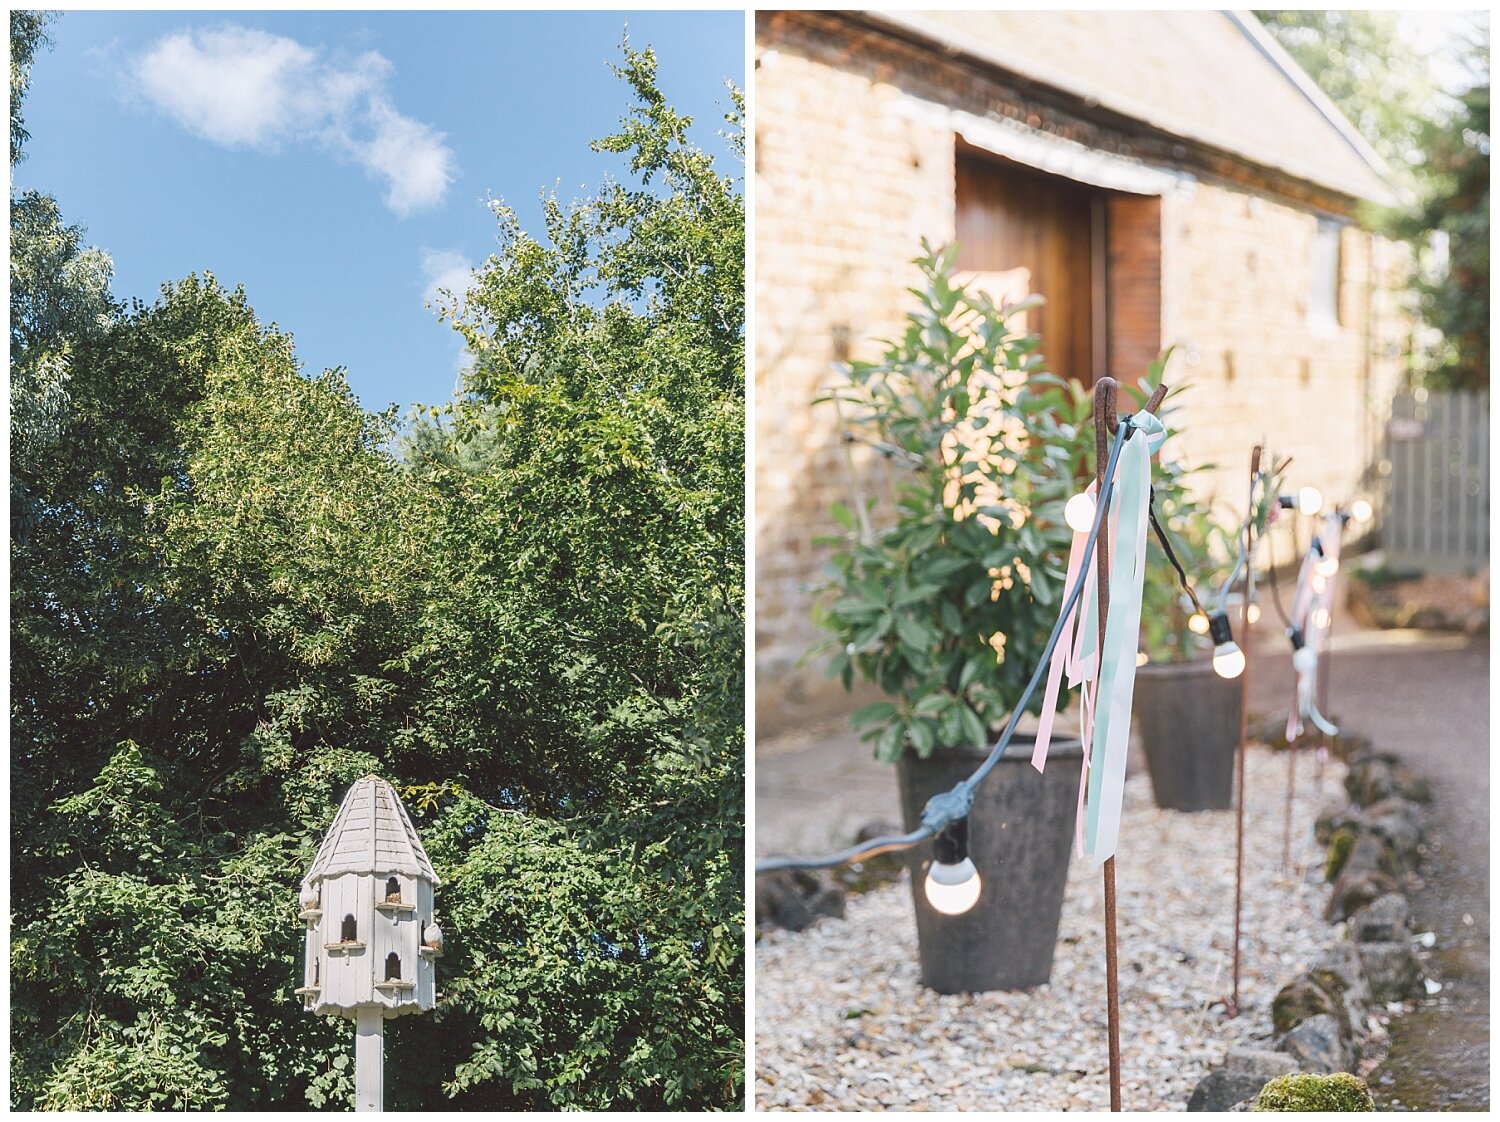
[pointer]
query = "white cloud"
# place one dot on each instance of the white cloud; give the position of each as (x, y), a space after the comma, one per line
(240, 87)
(444, 269)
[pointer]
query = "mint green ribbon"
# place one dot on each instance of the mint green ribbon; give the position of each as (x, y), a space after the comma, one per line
(1116, 684)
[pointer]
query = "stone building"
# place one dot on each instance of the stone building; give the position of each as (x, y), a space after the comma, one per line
(1160, 177)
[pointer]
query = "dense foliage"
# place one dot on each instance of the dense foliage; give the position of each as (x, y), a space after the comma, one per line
(1456, 299)
(947, 606)
(238, 592)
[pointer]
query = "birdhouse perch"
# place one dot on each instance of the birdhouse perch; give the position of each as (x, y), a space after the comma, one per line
(372, 941)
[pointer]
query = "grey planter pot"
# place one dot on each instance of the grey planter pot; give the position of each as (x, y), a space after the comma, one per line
(1020, 840)
(1189, 721)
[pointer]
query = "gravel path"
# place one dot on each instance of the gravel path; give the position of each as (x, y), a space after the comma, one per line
(841, 1023)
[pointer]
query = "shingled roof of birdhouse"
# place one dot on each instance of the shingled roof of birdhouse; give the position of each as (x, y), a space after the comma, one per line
(372, 833)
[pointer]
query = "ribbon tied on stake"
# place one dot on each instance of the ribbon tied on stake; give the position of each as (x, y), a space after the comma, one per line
(1107, 676)
(1312, 618)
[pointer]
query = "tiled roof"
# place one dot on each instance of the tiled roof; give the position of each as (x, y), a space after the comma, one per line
(371, 834)
(1216, 78)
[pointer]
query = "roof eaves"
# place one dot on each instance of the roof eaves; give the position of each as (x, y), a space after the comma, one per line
(955, 43)
(1256, 32)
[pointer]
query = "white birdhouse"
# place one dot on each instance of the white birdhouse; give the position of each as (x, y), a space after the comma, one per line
(372, 942)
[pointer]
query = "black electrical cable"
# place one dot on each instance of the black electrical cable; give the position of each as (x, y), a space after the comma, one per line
(1161, 536)
(1242, 556)
(861, 852)
(1276, 596)
(954, 804)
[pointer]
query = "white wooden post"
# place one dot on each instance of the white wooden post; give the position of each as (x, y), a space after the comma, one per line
(369, 1058)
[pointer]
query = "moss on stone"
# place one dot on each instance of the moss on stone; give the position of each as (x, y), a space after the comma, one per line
(1339, 1091)
(1340, 845)
(1329, 982)
(1300, 1000)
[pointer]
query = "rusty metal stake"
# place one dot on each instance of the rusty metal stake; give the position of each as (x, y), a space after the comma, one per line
(1106, 423)
(1239, 808)
(1325, 679)
(1291, 787)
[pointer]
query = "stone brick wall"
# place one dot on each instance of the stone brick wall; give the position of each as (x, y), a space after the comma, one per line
(850, 178)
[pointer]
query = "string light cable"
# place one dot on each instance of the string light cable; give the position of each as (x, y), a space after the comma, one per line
(945, 814)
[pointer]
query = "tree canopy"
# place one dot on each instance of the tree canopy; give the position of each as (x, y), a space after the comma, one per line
(238, 592)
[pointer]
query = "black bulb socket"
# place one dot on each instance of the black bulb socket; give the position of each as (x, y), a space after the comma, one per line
(1218, 628)
(951, 845)
(1297, 638)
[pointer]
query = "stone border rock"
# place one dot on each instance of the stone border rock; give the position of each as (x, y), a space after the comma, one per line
(1322, 1018)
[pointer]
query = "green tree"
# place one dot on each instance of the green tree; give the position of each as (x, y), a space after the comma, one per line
(1373, 71)
(28, 31)
(1456, 299)
(59, 295)
(235, 598)
(598, 454)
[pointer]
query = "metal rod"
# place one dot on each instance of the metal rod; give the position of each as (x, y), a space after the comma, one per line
(1325, 675)
(1105, 423)
(1291, 789)
(369, 1058)
(1294, 720)
(1239, 806)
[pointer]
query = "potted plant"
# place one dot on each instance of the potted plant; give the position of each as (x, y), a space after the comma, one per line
(1188, 716)
(945, 602)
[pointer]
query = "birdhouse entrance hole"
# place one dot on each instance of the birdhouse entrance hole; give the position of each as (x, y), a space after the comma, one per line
(393, 891)
(349, 933)
(393, 967)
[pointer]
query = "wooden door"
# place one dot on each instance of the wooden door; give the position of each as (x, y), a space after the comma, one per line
(1010, 217)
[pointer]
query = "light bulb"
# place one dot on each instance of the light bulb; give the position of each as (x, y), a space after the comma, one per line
(1253, 615)
(1327, 566)
(1321, 618)
(1309, 500)
(1362, 510)
(1141, 658)
(1304, 660)
(1319, 581)
(1079, 513)
(952, 889)
(1229, 660)
(1198, 623)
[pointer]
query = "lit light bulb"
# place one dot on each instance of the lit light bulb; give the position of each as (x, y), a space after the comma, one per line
(952, 889)
(1319, 581)
(1327, 566)
(1198, 623)
(1322, 618)
(1141, 658)
(1362, 511)
(1229, 660)
(1309, 500)
(1254, 613)
(1079, 513)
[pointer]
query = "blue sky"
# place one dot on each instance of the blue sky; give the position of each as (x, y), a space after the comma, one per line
(336, 163)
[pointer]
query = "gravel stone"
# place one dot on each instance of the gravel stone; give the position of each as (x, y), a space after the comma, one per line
(1047, 1049)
